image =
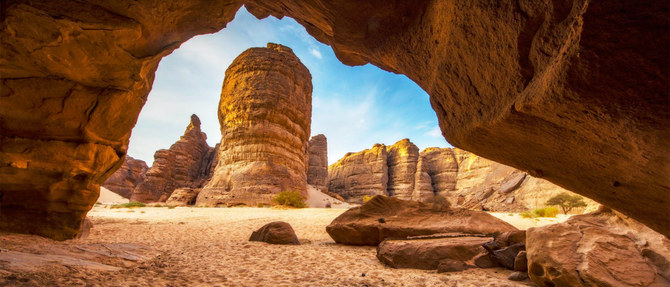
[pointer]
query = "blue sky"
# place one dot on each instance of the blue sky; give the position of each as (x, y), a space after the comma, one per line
(355, 107)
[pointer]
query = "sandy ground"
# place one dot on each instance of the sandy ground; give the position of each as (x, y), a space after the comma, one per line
(109, 197)
(187, 246)
(318, 199)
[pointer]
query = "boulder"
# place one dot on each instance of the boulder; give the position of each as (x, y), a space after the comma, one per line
(450, 265)
(518, 276)
(603, 248)
(265, 121)
(402, 161)
(131, 173)
(317, 168)
(277, 232)
(183, 197)
(521, 262)
(506, 256)
(186, 164)
(360, 225)
(485, 260)
(451, 253)
(359, 174)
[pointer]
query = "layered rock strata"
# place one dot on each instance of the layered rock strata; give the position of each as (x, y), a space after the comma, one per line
(402, 165)
(360, 174)
(537, 85)
(436, 173)
(127, 177)
(317, 169)
(186, 164)
(265, 114)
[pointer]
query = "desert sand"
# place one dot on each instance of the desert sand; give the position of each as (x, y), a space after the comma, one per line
(189, 246)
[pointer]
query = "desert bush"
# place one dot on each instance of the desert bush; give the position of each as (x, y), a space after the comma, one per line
(527, 214)
(129, 205)
(550, 211)
(289, 198)
(367, 198)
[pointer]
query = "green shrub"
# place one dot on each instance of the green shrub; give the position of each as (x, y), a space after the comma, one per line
(549, 211)
(367, 198)
(289, 198)
(129, 205)
(527, 214)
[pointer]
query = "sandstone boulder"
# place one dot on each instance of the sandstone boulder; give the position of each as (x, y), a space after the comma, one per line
(360, 174)
(265, 114)
(317, 169)
(183, 197)
(277, 232)
(598, 249)
(131, 173)
(402, 163)
(430, 253)
(185, 164)
(402, 219)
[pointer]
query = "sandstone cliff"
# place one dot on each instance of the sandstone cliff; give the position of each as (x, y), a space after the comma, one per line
(359, 174)
(317, 169)
(265, 114)
(127, 177)
(463, 178)
(186, 164)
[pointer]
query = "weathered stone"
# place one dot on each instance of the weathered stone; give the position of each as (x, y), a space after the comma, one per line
(521, 262)
(506, 256)
(429, 253)
(402, 161)
(485, 260)
(317, 169)
(277, 232)
(359, 174)
(265, 117)
(597, 249)
(450, 265)
(360, 225)
(183, 197)
(185, 164)
(518, 276)
(537, 85)
(436, 173)
(131, 173)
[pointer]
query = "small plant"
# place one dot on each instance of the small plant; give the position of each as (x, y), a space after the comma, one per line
(289, 198)
(367, 198)
(549, 211)
(527, 214)
(129, 205)
(566, 201)
(171, 206)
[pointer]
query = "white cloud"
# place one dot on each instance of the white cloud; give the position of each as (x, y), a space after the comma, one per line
(315, 52)
(434, 132)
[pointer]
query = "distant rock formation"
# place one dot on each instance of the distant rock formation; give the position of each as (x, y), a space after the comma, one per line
(265, 114)
(360, 174)
(463, 178)
(127, 177)
(186, 164)
(317, 169)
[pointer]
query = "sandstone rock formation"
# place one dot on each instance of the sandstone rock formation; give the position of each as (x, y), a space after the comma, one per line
(360, 174)
(127, 177)
(602, 248)
(429, 253)
(183, 197)
(536, 85)
(387, 217)
(402, 164)
(186, 164)
(436, 173)
(317, 169)
(277, 232)
(265, 114)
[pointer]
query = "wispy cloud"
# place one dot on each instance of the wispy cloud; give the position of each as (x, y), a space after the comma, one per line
(315, 52)
(434, 132)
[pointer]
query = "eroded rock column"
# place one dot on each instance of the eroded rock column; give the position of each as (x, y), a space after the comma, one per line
(317, 170)
(265, 114)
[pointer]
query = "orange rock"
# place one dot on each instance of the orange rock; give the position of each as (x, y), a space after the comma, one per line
(127, 177)
(317, 170)
(360, 174)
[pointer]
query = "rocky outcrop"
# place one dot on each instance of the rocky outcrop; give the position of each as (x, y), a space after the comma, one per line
(386, 217)
(183, 197)
(185, 164)
(436, 174)
(277, 232)
(127, 177)
(265, 114)
(529, 84)
(317, 169)
(402, 165)
(602, 248)
(430, 253)
(360, 174)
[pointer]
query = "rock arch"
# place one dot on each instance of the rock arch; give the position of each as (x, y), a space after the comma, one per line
(577, 88)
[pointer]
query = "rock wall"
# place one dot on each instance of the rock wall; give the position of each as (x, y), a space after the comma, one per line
(317, 169)
(402, 164)
(265, 114)
(127, 177)
(463, 178)
(360, 174)
(186, 164)
(537, 85)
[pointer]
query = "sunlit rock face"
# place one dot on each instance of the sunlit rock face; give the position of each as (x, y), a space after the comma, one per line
(317, 170)
(436, 173)
(265, 114)
(537, 85)
(402, 161)
(186, 164)
(127, 177)
(360, 174)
